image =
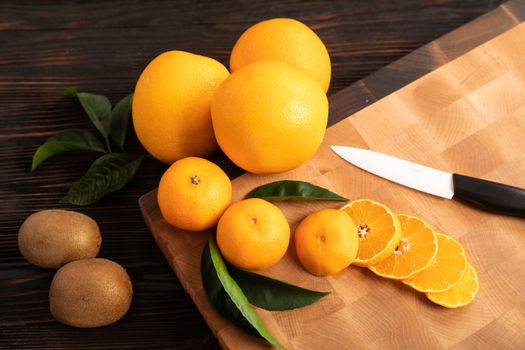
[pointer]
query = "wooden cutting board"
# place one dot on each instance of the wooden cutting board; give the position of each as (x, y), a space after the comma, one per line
(467, 116)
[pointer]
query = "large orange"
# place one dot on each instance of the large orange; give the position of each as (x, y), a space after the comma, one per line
(326, 242)
(193, 193)
(171, 105)
(287, 40)
(253, 234)
(269, 117)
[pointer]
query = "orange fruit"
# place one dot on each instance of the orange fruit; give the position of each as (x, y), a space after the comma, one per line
(459, 295)
(326, 242)
(378, 228)
(193, 193)
(415, 251)
(269, 117)
(286, 40)
(171, 105)
(445, 271)
(253, 234)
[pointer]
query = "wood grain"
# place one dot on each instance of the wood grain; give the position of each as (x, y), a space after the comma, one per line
(467, 116)
(101, 47)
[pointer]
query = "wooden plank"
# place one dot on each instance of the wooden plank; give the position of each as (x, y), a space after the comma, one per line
(429, 57)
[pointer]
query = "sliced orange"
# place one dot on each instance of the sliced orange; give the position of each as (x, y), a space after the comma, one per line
(459, 295)
(378, 228)
(415, 251)
(445, 271)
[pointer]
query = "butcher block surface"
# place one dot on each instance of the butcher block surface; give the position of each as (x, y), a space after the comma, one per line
(468, 117)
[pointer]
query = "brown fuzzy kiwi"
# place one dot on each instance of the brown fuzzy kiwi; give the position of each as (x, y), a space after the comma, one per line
(52, 238)
(90, 293)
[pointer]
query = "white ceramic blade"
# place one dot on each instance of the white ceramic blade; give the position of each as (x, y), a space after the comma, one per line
(413, 175)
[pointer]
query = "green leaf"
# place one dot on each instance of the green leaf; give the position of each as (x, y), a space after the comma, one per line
(97, 107)
(216, 293)
(67, 140)
(119, 121)
(227, 297)
(107, 174)
(272, 294)
(293, 191)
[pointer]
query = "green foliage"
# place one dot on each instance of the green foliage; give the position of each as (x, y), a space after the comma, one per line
(110, 172)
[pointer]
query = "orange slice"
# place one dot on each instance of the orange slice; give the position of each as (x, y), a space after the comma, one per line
(459, 295)
(378, 228)
(445, 271)
(415, 251)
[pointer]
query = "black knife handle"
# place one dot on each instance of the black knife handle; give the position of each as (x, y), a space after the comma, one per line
(497, 197)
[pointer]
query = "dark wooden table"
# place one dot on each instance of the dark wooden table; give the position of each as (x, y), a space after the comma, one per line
(101, 47)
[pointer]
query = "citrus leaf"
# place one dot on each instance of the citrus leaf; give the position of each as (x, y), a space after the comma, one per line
(288, 190)
(97, 107)
(272, 294)
(216, 293)
(119, 120)
(227, 297)
(67, 140)
(107, 174)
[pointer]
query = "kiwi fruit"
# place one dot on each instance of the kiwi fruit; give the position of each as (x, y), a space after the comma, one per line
(52, 238)
(90, 293)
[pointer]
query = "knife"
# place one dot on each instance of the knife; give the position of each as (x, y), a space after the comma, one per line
(493, 196)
